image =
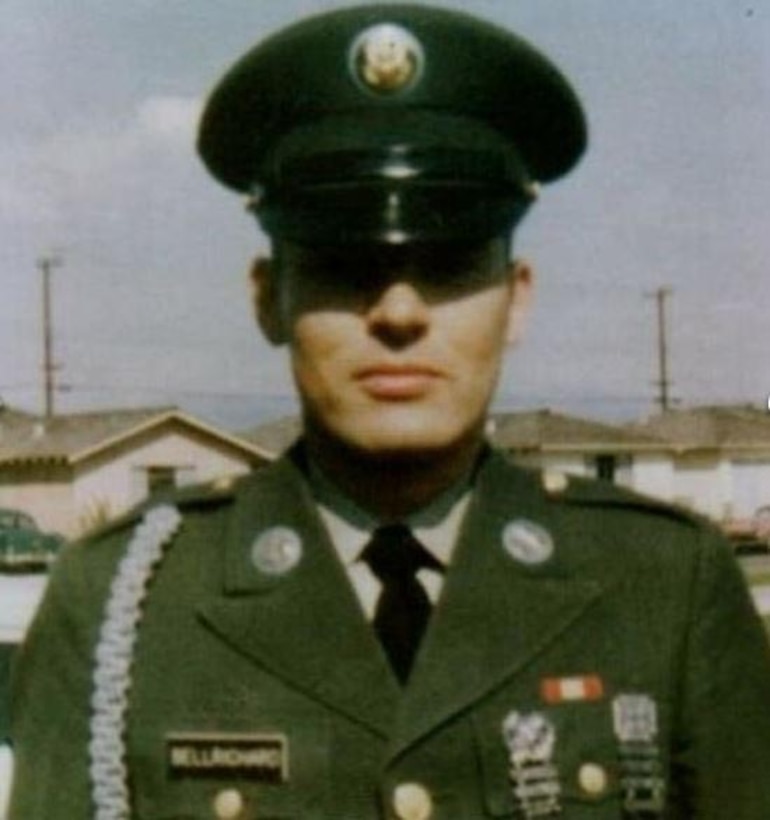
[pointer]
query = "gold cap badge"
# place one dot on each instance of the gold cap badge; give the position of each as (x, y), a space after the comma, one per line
(387, 58)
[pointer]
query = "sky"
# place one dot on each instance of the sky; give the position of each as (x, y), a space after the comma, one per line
(99, 102)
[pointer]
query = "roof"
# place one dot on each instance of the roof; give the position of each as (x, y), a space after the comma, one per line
(546, 430)
(710, 427)
(71, 438)
(13, 420)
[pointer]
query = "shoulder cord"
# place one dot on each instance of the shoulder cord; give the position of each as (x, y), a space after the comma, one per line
(113, 660)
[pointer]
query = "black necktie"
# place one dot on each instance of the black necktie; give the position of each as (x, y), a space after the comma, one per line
(394, 555)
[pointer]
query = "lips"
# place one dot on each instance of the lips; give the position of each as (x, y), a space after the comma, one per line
(397, 382)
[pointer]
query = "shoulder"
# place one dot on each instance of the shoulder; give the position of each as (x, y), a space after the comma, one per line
(193, 515)
(601, 509)
(158, 520)
(205, 498)
(85, 569)
(610, 531)
(594, 494)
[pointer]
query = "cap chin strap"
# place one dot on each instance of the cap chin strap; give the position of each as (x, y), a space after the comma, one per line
(392, 214)
(113, 660)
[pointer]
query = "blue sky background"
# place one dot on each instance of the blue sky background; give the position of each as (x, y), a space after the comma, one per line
(98, 108)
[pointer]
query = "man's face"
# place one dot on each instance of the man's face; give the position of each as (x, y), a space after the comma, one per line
(394, 350)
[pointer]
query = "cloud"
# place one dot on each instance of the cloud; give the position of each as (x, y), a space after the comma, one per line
(93, 147)
(46, 179)
(171, 119)
(109, 146)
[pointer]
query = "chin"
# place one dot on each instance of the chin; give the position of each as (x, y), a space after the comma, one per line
(396, 439)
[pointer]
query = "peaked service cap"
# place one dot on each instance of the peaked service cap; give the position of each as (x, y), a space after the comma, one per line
(391, 123)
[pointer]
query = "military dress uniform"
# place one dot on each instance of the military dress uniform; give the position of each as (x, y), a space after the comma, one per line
(591, 654)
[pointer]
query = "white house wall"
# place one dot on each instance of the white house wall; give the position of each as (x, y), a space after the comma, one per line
(48, 502)
(702, 482)
(653, 475)
(108, 487)
(750, 485)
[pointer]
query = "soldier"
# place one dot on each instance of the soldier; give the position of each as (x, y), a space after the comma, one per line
(393, 620)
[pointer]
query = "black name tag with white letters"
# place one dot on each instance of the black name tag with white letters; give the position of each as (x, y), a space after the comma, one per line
(262, 758)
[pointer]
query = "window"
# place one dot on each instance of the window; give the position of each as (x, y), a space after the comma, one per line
(160, 480)
(605, 467)
(611, 467)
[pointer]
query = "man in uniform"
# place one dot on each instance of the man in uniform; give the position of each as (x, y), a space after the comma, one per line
(394, 621)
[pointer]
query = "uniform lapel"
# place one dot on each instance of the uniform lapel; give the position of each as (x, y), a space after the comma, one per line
(304, 624)
(495, 614)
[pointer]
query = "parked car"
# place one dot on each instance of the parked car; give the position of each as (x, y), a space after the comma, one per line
(6, 756)
(6, 774)
(26, 553)
(24, 547)
(749, 544)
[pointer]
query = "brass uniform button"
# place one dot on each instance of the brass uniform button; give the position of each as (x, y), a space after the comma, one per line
(228, 804)
(412, 801)
(555, 482)
(593, 779)
(223, 483)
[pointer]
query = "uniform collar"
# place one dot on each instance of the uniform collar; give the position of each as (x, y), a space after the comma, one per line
(436, 525)
(438, 536)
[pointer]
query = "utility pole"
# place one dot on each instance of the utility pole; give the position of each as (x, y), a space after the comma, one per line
(663, 382)
(46, 264)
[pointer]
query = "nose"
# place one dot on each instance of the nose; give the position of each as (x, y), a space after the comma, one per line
(399, 315)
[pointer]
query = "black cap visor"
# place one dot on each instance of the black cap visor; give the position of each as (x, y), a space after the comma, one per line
(414, 177)
(393, 213)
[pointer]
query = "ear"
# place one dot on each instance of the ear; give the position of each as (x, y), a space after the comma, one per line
(522, 285)
(266, 301)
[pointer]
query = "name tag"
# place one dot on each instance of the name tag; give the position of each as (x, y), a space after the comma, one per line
(262, 758)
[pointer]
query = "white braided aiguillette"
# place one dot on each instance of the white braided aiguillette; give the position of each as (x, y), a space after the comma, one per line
(113, 659)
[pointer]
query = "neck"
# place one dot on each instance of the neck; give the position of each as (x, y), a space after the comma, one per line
(392, 485)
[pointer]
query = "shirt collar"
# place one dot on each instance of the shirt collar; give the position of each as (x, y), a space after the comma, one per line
(438, 536)
(436, 526)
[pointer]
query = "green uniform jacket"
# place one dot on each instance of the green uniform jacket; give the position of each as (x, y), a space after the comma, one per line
(637, 603)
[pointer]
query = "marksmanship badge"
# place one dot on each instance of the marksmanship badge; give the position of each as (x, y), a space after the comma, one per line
(531, 739)
(635, 720)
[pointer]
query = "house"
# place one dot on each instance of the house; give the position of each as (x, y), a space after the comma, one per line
(74, 471)
(720, 458)
(713, 459)
(556, 441)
